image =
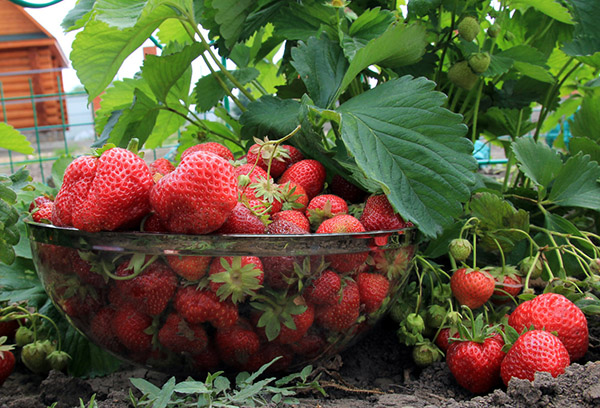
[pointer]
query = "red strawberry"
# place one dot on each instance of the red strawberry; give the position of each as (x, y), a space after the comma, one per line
(266, 192)
(294, 196)
(8, 329)
(207, 360)
(348, 191)
(242, 221)
(472, 287)
(226, 315)
(380, 215)
(160, 167)
(85, 271)
(102, 330)
(198, 196)
(476, 365)
(262, 153)
(196, 306)
(236, 344)
(443, 338)
(152, 223)
(373, 289)
(7, 360)
(343, 223)
(325, 290)
(285, 227)
(325, 206)
(554, 313)
(310, 345)
(302, 322)
(279, 270)
(151, 289)
(191, 267)
(295, 155)
(131, 328)
(250, 173)
(310, 174)
(512, 284)
(104, 193)
(534, 351)
(181, 337)
(43, 212)
(212, 147)
(266, 354)
(295, 217)
(38, 201)
(342, 315)
(235, 277)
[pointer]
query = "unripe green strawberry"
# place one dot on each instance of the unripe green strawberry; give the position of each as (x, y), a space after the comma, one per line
(479, 62)
(435, 316)
(460, 249)
(58, 360)
(461, 75)
(494, 30)
(528, 263)
(595, 266)
(34, 356)
(415, 323)
(468, 28)
(508, 36)
(426, 354)
(23, 336)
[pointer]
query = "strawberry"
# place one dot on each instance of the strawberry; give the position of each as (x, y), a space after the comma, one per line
(325, 290)
(207, 360)
(191, 267)
(250, 174)
(160, 167)
(468, 28)
(302, 322)
(132, 327)
(341, 316)
(443, 338)
(284, 319)
(266, 354)
(235, 344)
(104, 193)
(380, 215)
(279, 270)
(285, 227)
(345, 189)
(38, 201)
(325, 206)
(461, 75)
(295, 155)
(86, 271)
(534, 351)
(43, 213)
(294, 196)
(226, 315)
(152, 223)
(472, 287)
(196, 306)
(292, 216)
(198, 196)
(479, 62)
(102, 331)
(508, 285)
(460, 249)
(8, 329)
(554, 313)
(343, 223)
(263, 153)
(212, 147)
(242, 220)
(310, 345)
(476, 365)
(236, 277)
(181, 337)
(151, 289)
(373, 289)
(267, 192)
(7, 360)
(33, 355)
(310, 174)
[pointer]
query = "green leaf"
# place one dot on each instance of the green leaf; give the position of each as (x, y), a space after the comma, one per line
(321, 65)
(533, 71)
(209, 92)
(585, 146)
(120, 13)
(19, 283)
(78, 15)
(231, 16)
(576, 184)
(537, 160)
(162, 72)
(504, 121)
(400, 45)
(99, 50)
(549, 7)
(300, 21)
(403, 139)
(368, 26)
(529, 61)
(586, 38)
(270, 116)
(58, 170)
(586, 122)
(87, 359)
(14, 140)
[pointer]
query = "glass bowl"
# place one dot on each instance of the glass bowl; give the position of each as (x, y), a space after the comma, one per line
(199, 303)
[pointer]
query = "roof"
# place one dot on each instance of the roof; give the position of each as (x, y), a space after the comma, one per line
(18, 29)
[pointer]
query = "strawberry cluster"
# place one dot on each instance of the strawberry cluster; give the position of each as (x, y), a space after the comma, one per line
(206, 312)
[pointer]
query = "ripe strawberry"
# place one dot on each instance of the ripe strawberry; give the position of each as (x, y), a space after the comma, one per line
(380, 215)
(325, 290)
(279, 270)
(102, 330)
(511, 283)
(151, 289)
(207, 360)
(181, 337)
(43, 213)
(226, 315)
(131, 327)
(554, 313)
(343, 223)
(443, 338)
(268, 194)
(236, 344)
(249, 174)
(262, 153)
(152, 223)
(302, 322)
(86, 271)
(242, 220)
(7, 360)
(236, 277)
(342, 315)
(284, 227)
(104, 193)
(373, 289)
(198, 196)
(476, 365)
(310, 345)
(472, 287)
(325, 206)
(38, 201)
(310, 174)
(295, 155)
(160, 167)
(534, 351)
(191, 267)
(196, 306)
(212, 147)
(266, 354)
(294, 196)
(292, 216)
(8, 329)
(345, 189)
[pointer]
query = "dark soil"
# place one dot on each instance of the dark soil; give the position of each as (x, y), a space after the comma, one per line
(376, 372)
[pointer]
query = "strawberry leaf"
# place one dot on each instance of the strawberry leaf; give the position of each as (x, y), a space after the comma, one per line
(576, 184)
(14, 140)
(402, 139)
(537, 161)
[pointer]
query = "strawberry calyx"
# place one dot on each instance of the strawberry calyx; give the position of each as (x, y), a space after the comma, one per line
(278, 309)
(475, 329)
(236, 280)
(5, 347)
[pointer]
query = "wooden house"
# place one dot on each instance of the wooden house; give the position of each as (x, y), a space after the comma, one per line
(31, 63)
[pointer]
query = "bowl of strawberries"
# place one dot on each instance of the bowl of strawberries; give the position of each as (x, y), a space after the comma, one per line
(218, 263)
